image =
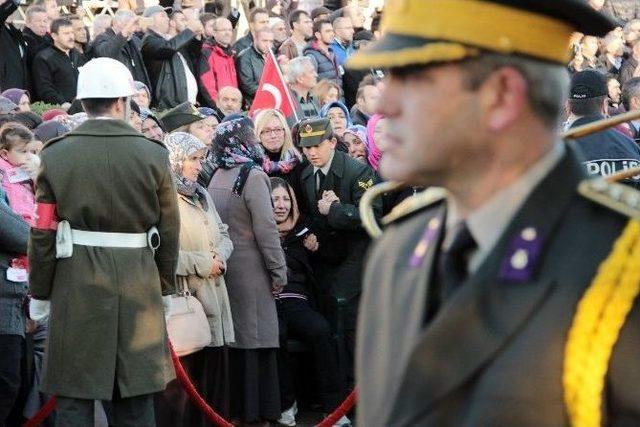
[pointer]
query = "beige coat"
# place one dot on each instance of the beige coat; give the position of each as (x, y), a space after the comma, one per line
(202, 234)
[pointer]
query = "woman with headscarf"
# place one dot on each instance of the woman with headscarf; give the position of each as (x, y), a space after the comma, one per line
(205, 247)
(143, 95)
(340, 119)
(20, 97)
(297, 317)
(355, 137)
(256, 271)
(375, 134)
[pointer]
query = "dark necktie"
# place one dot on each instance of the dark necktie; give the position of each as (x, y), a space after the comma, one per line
(319, 183)
(452, 265)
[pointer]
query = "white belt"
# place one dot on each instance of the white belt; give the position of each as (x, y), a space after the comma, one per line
(66, 237)
(109, 240)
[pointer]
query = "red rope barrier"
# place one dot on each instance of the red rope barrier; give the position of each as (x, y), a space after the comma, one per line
(340, 411)
(42, 413)
(183, 377)
(193, 394)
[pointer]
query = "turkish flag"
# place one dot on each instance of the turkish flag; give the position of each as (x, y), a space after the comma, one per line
(272, 91)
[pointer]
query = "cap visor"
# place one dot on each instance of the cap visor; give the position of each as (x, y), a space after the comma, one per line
(395, 50)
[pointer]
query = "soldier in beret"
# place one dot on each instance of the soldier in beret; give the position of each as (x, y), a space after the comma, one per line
(332, 185)
(470, 314)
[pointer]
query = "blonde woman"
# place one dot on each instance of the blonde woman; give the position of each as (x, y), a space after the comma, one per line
(281, 159)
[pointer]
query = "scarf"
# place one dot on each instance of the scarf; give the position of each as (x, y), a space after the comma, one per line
(374, 152)
(235, 144)
(288, 160)
(181, 146)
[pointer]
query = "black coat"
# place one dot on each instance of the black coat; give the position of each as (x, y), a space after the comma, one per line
(342, 239)
(55, 75)
(326, 65)
(13, 59)
(35, 44)
(243, 42)
(300, 277)
(249, 66)
(166, 72)
(112, 45)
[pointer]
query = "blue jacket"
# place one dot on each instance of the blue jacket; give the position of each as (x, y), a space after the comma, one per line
(341, 52)
(325, 62)
(14, 236)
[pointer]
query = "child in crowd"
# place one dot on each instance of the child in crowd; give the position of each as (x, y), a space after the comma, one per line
(18, 167)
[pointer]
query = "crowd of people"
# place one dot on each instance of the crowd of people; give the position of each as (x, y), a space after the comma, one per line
(271, 242)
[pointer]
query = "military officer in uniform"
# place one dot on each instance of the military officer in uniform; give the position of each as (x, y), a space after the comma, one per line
(470, 314)
(103, 253)
(332, 185)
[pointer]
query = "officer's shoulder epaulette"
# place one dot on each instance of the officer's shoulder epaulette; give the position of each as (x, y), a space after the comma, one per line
(615, 196)
(415, 204)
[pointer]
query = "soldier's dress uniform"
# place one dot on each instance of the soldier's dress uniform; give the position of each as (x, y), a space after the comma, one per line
(107, 335)
(339, 260)
(491, 351)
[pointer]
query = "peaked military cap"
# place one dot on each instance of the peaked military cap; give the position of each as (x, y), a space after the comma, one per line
(424, 31)
(181, 115)
(312, 132)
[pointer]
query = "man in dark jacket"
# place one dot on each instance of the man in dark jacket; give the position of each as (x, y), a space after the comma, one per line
(13, 59)
(631, 102)
(14, 235)
(117, 43)
(608, 151)
(36, 35)
(258, 19)
(170, 61)
(250, 63)
(320, 51)
(630, 64)
(55, 69)
(366, 101)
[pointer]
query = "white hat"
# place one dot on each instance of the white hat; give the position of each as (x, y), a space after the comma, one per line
(104, 78)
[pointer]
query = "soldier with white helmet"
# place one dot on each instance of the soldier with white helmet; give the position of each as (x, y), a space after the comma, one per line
(103, 253)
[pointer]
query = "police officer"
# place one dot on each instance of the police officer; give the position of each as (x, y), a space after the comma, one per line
(332, 185)
(103, 253)
(606, 152)
(470, 300)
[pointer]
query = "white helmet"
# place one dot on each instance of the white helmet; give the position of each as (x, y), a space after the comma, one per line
(104, 78)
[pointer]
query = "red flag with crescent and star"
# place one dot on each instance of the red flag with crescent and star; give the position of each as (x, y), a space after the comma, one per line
(273, 91)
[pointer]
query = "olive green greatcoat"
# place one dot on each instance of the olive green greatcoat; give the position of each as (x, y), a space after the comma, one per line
(107, 324)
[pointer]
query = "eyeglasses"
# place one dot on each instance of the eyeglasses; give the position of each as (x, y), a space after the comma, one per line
(275, 131)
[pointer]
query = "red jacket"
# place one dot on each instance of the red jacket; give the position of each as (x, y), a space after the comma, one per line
(217, 70)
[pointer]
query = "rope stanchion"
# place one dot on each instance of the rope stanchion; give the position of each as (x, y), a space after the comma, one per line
(42, 413)
(340, 411)
(193, 394)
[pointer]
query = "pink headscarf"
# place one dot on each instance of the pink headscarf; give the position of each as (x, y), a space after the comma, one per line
(374, 152)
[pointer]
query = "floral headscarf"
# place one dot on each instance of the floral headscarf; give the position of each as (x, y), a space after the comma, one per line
(374, 152)
(181, 146)
(235, 144)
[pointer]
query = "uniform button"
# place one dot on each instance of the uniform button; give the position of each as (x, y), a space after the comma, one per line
(520, 259)
(529, 234)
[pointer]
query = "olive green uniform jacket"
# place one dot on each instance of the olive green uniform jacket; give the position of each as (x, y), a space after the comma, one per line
(493, 353)
(107, 325)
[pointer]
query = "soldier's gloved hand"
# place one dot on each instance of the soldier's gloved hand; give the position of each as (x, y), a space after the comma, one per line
(166, 306)
(39, 310)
